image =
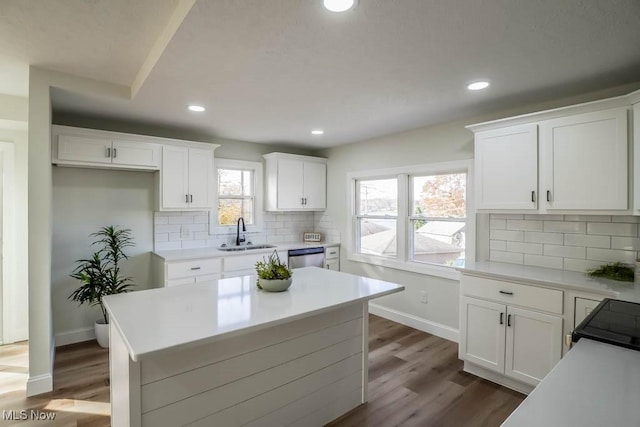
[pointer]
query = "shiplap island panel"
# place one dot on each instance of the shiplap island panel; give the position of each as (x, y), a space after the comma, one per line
(225, 353)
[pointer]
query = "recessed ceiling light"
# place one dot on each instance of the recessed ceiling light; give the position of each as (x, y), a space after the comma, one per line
(478, 85)
(339, 5)
(317, 132)
(196, 108)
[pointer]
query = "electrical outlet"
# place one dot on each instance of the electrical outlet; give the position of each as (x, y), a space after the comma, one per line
(424, 298)
(185, 233)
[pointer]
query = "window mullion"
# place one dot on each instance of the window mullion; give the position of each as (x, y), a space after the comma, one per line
(403, 213)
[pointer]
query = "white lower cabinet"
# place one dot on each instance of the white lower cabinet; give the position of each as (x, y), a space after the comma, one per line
(514, 341)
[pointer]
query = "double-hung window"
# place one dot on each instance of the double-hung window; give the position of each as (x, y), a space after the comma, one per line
(413, 218)
(239, 194)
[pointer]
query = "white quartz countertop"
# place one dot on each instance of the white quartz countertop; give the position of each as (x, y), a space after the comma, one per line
(158, 320)
(594, 385)
(197, 253)
(561, 279)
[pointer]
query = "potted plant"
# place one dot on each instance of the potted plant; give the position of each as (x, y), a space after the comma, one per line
(100, 274)
(273, 275)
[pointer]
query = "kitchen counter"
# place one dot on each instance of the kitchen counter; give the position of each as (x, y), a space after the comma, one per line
(560, 279)
(595, 384)
(186, 254)
(226, 353)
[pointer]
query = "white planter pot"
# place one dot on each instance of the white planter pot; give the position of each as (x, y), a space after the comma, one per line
(275, 285)
(102, 333)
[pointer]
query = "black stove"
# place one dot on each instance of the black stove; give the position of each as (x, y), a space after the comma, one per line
(613, 322)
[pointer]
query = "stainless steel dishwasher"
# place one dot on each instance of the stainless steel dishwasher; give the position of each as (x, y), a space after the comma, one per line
(307, 257)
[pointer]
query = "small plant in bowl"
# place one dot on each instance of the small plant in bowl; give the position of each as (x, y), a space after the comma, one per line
(273, 274)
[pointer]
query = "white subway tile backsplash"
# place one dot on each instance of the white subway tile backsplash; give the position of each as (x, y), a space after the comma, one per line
(161, 237)
(167, 228)
(507, 216)
(167, 246)
(498, 224)
(612, 229)
(201, 219)
(565, 251)
(524, 225)
(525, 248)
(181, 219)
(626, 218)
(497, 245)
(565, 227)
(514, 236)
(175, 237)
(611, 255)
(570, 242)
(159, 220)
(586, 218)
(626, 243)
(580, 265)
(192, 244)
(586, 240)
(512, 258)
(543, 261)
(538, 237)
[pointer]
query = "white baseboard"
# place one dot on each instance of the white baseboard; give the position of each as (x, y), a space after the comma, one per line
(433, 328)
(39, 384)
(77, 335)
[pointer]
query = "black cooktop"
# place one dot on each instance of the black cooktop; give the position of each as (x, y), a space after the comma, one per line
(612, 322)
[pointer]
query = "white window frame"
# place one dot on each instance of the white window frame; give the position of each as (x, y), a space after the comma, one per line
(403, 259)
(256, 167)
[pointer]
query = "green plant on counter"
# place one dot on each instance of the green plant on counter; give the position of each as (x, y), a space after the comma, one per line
(615, 271)
(100, 274)
(272, 269)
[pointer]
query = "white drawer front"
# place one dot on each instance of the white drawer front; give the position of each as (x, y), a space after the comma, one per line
(332, 253)
(512, 293)
(191, 268)
(181, 281)
(246, 262)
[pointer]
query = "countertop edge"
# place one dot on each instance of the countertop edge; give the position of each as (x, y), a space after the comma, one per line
(213, 252)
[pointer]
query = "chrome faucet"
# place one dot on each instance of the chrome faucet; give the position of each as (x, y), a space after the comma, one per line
(244, 230)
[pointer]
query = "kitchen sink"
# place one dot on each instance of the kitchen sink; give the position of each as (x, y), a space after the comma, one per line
(244, 248)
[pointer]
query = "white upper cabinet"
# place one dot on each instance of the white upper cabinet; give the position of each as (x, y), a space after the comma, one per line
(186, 178)
(295, 183)
(100, 149)
(584, 161)
(507, 168)
(574, 159)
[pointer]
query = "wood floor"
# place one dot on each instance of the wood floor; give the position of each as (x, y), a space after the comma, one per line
(415, 379)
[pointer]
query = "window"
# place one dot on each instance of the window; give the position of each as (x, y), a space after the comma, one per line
(239, 185)
(438, 218)
(377, 208)
(413, 218)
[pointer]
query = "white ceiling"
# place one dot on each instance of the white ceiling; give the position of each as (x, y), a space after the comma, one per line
(270, 71)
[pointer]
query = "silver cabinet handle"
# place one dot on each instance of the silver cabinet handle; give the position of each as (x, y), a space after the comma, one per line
(115, 152)
(195, 268)
(502, 318)
(548, 196)
(109, 152)
(506, 293)
(190, 198)
(533, 196)
(509, 320)
(186, 198)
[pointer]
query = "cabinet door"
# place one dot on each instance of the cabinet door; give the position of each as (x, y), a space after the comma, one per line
(136, 153)
(175, 177)
(84, 149)
(200, 179)
(315, 185)
(290, 184)
(534, 344)
(507, 168)
(583, 307)
(332, 264)
(482, 333)
(584, 161)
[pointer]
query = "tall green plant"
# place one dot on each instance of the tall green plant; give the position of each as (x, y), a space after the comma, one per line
(100, 274)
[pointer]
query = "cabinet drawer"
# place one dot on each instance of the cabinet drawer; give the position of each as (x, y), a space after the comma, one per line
(512, 293)
(182, 281)
(245, 262)
(332, 253)
(196, 267)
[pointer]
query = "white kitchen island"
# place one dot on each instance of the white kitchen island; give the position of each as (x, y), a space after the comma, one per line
(225, 353)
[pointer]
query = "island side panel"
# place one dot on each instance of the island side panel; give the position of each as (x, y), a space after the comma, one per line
(264, 378)
(365, 352)
(124, 383)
